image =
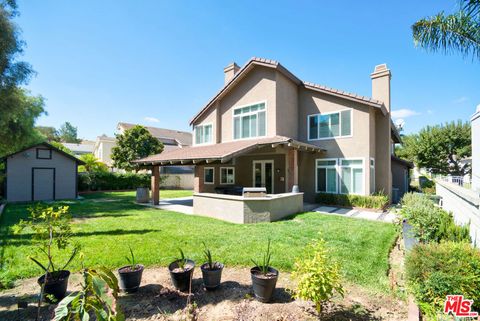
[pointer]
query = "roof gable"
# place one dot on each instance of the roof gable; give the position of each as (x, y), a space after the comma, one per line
(255, 62)
(50, 146)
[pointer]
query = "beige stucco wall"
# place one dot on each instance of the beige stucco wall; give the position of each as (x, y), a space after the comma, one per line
(287, 107)
(103, 151)
(400, 178)
(19, 175)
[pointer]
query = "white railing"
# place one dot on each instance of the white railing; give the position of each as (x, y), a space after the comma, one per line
(463, 181)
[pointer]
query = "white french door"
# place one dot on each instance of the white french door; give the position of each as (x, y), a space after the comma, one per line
(263, 174)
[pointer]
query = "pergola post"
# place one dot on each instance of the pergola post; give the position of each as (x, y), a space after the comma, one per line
(155, 185)
(292, 168)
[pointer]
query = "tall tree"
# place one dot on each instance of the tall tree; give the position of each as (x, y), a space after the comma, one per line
(68, 133)
(456, 32)
(50, 133)
(18, 109)
(134, 143)
(441, 149)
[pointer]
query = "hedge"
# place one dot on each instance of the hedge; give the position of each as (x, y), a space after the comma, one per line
(437, 269)
(377, 201)
(98, 181)
(429, 222)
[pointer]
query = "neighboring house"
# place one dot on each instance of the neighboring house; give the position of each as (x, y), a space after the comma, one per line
(103, 149)
(267, 128)
(41, 173)
(85, 147)
(170, 138)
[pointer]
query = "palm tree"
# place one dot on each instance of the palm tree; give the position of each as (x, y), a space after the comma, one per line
(456, 32)
(92, 164)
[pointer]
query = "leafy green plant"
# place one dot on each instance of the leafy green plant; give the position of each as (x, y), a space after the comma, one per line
(51, 227)
(131, 260)
(208, 257)
(437, 269)
(98, 295)
(265, 263)
(317, 275)
(377, 201)
(430, 223)
(182, 261)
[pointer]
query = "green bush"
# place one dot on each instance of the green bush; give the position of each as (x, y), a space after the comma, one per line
(103, 181)
(429, 222)
(378, 201)
(437, 269)
(317, 275)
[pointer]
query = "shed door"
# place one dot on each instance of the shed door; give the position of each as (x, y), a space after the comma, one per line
(43, 184)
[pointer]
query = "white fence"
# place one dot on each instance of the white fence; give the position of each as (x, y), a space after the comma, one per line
(177, 181)
(463, 181)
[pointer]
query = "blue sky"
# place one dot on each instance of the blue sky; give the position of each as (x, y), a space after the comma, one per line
(157, 63)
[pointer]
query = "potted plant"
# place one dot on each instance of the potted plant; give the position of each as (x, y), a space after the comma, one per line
(211, 271)
(264, 277)
(181, 272)
(51, 228)
(131, 274)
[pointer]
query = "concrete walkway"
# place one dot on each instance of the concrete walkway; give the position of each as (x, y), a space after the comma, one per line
(181, 204)
(388, 217)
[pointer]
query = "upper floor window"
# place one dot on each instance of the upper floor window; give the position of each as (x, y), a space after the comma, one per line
(203, 134)
(336, 124)
(249, 121)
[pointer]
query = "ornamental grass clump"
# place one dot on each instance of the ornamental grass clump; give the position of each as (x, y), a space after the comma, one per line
(317, 275)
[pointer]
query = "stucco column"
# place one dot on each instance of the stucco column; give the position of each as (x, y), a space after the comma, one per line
(155, 185)
(292, 169)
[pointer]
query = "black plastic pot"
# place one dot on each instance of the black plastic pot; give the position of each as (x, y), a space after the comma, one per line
(55, 286)
(181, 278)
(212, 277)
(263, 285)
(130, 280)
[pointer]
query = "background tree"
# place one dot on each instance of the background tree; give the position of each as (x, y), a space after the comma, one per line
(456, 32)
(134, 143)
(440, 149)
(50, 133)
(92, 164)
(68, 133)
(18, 109)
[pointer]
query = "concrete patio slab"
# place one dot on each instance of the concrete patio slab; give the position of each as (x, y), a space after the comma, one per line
(386, 216)
(181, 204)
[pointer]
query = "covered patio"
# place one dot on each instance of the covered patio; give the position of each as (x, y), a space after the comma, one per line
(223, 170)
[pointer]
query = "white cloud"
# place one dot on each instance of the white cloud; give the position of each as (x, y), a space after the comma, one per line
(460, 100)
(430, 112)
(152, 119)
(404, 113)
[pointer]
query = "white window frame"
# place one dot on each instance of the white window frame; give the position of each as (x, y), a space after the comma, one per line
(204, 175)
(372, 167)
(327, 166)
(340, 166)
(221, 177)
(339, 124)
(247, 114)
(195, 134)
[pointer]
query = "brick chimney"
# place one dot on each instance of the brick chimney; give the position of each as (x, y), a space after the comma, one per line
(230, 71)
(381, 84)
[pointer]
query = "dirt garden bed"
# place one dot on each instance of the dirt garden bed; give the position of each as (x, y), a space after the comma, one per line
(157, 300)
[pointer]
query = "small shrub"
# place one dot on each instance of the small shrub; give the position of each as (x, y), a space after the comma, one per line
(377, 201)
(437, 269)
(318, 276)
(429, 222)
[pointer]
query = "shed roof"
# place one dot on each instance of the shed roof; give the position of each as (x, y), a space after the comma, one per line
(79, 162)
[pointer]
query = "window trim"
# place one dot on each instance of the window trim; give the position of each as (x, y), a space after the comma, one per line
(213, 176)
(227, 168)
(247, 105)
(339, 124)
(195, 134)
(329, 166)
(354, 166)
(43, 149)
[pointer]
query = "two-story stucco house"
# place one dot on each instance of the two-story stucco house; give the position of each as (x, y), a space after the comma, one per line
(267, 128)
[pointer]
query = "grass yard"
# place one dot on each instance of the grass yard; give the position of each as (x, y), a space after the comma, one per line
(105, 224)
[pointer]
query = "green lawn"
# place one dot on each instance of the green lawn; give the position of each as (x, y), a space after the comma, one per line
(106, 224)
